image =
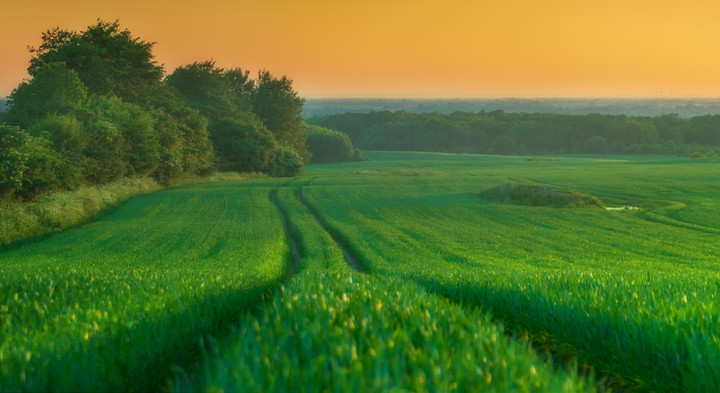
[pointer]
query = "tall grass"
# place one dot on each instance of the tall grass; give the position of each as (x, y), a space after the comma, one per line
(56, 211)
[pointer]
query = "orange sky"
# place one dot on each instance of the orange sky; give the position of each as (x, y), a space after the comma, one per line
(419, 48)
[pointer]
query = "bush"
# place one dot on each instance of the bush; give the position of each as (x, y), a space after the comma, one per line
(533, 195)
(285, 162)
(328, 145)
(46, 170)
(243, 146)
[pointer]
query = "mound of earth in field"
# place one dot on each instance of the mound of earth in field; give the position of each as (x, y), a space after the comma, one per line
(535, 195)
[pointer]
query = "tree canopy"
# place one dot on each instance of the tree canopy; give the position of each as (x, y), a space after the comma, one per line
(98, 107)
(243, 112)
(328, 145)
(108, 59)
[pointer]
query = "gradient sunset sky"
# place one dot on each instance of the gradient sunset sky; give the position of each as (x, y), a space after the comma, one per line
(419, 48)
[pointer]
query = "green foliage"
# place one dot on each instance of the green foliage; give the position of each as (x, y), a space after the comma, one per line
(108, 59)
(328, 145)
(242, 112)
(504, 145)
(523, 133)
(67, 137)
(596, 145)
(279, 107)
(104, 151)
(184, 140)
(12, 160)
(214, 92)
(136, 126)
(53, 89)
(285, 162)
(47, 170)
(244, 146)
(99, 110)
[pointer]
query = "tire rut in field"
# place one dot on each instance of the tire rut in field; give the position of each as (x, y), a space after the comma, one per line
(294, 262)
(351, 259)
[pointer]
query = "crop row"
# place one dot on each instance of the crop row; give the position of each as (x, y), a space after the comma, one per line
(334, 329)
(635, 298)
(111, 305)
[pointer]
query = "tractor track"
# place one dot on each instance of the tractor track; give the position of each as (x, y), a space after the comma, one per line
(294, 260)
(351, 259)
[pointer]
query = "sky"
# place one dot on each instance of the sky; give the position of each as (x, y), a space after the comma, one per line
(416, 49)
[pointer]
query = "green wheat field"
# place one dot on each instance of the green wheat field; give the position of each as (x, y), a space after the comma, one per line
(417, 272)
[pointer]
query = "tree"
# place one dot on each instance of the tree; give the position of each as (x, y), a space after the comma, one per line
(241, 87)
(595, 145)
(243, 145)
(247, 118)
(503, 145)
(46, 169)
(53, 89)
(285, 162)
(67, 139)
(280, 109)
(205, 87)
(137, 126)
(104, 152)
(185, 145)
(12, 160)
(328, 145)
(108, 59)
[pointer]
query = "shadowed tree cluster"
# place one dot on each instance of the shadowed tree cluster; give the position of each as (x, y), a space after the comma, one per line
(252, 122)
(97, 107)
(524, 134)
(328, 145)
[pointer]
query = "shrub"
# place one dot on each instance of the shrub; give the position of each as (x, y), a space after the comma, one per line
(328, 145)
(243, 146)
(533, 195)
(285, 162)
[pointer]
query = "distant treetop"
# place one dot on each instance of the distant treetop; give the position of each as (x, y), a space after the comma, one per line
(107, 59)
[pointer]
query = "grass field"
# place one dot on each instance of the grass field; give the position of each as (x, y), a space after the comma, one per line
(398, 273)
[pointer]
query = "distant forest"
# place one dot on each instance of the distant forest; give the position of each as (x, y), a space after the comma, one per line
(499, 132)
(97, 108)
(685, 108)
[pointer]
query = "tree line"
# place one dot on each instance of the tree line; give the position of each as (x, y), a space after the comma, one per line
(98, 107)
(498, 132)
